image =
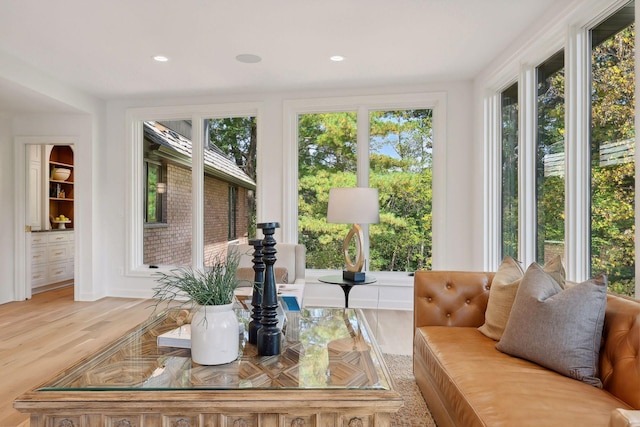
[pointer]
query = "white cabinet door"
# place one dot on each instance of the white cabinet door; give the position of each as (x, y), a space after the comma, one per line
(59, 271)
(34, 186)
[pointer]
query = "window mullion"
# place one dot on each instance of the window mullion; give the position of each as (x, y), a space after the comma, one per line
(362, 149)
(577, 160)
(197, 177)
(637, 172)
(527, 96)
(362, 174)
(493, 179)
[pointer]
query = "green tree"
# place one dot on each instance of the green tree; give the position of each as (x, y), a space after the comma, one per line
(327, 142)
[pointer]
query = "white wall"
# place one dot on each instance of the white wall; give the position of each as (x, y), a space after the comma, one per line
(6, 212)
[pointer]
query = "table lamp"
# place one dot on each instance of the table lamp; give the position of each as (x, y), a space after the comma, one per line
(353, 206)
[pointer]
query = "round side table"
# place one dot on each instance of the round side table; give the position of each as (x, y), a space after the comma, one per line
(345, 284)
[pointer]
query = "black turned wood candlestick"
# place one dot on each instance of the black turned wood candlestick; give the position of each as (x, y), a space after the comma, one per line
(256, 298)
(269, 336)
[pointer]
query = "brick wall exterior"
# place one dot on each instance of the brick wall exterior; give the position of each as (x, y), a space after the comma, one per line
(170, 243)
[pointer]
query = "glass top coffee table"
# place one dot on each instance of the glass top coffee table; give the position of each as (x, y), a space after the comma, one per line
(330, 373)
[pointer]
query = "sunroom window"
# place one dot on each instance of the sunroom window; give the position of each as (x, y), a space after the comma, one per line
(196, 192)
(550, 156)
(509, 128)
(613, 150)
(399, 165)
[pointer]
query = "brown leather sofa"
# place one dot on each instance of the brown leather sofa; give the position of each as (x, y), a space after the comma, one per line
(466, 382)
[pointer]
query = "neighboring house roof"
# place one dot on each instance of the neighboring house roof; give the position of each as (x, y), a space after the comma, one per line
(179, 149)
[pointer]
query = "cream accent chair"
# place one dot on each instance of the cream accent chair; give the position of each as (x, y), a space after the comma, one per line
(289, 255)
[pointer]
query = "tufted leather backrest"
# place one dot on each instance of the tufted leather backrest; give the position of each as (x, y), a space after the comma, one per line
(620, 351)
(440, 300)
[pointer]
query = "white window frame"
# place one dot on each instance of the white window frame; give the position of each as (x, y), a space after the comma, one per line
(571, 32)
(135, 173)
(363, 105)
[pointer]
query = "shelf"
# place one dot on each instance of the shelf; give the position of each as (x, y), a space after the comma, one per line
(61, 199)
(66, 165)
(61, 182)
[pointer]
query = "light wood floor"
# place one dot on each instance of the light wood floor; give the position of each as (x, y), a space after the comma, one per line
(42, 336)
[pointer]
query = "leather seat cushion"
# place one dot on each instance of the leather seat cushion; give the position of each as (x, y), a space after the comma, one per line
(478, 385)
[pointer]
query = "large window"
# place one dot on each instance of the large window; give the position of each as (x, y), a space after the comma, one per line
(195, 192)
(550, 159)
(168, 241)
(509, 136)
(327, 158)
(398, 164)
(237, 139)
(612, 150)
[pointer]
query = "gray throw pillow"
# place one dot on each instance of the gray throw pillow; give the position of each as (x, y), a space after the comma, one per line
(555, 328)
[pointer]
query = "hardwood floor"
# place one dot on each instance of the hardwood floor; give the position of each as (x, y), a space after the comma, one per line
(44, 335)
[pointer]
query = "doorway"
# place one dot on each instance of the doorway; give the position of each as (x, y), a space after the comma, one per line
(46, 206)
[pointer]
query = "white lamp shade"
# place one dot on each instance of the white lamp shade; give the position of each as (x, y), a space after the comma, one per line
(353, 206)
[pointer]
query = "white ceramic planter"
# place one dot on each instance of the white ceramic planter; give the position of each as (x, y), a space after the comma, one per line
(214, 335)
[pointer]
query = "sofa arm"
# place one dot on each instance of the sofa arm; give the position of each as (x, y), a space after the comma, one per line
(450, 298)
(624, 418)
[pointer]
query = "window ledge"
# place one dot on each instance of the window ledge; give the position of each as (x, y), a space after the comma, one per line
(156, 225)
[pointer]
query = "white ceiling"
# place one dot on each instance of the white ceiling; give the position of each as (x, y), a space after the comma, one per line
(104, 48)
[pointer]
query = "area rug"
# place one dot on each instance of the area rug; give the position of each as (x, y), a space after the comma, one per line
(414, 413)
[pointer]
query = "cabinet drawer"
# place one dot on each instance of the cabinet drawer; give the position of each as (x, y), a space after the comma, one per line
(39, 255)
(59, 271)
(60, 236)
(59, 253)
(39, 238)
(39, 275)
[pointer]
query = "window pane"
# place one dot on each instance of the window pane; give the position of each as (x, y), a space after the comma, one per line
(400, 164)
(229, 183)
(509, 113)
(550, 168)
(612, 151)
(169, 144)
(326, 159)
(153, 193)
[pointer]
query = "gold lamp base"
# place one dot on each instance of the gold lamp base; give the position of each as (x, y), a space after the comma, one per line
(354, 269)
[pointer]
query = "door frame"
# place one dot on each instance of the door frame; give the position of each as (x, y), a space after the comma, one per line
(22, 248)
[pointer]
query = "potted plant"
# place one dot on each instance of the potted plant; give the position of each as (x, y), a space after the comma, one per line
(209, 293)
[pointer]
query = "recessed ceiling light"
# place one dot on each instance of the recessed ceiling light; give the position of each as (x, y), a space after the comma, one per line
(248, 58)
(337, 58)
(160, 58)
